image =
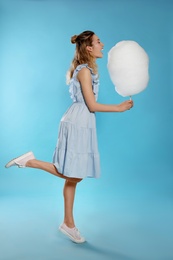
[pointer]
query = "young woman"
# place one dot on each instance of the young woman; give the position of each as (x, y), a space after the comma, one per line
(76, 155)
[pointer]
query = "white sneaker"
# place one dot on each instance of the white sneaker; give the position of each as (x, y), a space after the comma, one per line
(21, 160)
(72, 233)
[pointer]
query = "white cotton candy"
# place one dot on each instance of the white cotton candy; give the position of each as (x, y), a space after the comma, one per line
(128, 68)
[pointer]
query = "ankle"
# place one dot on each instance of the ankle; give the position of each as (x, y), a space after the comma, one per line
(69, 224)
(29, 163)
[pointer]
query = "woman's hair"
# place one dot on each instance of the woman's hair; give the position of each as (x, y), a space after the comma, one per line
(82, 56)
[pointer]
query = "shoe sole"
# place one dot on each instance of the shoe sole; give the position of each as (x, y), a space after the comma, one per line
(12, 162)
(72, 238)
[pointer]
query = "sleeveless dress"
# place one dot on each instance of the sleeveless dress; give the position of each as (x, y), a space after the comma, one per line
(76, 154)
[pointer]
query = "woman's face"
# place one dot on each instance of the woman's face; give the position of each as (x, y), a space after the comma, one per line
(97, 47)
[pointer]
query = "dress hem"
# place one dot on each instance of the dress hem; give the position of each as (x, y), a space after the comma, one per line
(66, 174)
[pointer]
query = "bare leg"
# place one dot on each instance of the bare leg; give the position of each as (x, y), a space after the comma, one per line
(48, 167)
(69, 188)
(69, 194)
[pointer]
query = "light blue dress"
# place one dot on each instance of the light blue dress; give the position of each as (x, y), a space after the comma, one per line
(76, 154)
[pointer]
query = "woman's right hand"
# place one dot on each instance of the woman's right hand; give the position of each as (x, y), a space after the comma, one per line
(126, 105)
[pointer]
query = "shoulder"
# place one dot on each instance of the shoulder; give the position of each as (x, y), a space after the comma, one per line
(83, 71)
(84, 74)
(82, 67)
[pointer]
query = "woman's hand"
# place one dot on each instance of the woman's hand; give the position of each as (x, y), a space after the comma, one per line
(126, 105)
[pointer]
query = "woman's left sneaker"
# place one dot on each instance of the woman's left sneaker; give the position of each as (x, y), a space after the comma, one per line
(72, 233)
(21, 160)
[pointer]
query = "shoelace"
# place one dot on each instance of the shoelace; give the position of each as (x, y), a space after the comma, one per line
(77, 233)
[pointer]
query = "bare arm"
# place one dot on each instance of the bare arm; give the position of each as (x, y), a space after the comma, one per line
(84, 77)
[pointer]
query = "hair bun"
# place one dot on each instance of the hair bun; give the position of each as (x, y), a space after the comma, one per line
(73, 38)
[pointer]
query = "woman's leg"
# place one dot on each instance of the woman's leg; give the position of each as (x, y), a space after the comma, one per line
(48, 167)
(69, 194)
(68, 226)
(69, 188)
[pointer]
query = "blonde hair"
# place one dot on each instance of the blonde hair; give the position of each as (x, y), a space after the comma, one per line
(82, 56)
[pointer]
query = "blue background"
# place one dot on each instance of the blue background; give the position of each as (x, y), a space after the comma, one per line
(127, 213)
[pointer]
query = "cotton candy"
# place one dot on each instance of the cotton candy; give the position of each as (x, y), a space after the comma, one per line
(128, 65)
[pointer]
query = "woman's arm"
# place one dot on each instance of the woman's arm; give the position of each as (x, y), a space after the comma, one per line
(84, 77)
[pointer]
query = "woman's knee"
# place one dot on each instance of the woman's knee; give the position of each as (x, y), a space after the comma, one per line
(74, 180)
(79, 180)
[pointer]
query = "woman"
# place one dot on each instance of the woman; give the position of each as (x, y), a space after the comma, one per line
(76, 155)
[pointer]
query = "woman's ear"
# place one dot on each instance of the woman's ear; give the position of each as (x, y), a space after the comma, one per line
(89, 48)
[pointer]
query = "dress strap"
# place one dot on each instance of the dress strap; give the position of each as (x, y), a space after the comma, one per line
(81, 66)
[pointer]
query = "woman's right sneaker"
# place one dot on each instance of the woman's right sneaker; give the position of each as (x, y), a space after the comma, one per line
(21, 160)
